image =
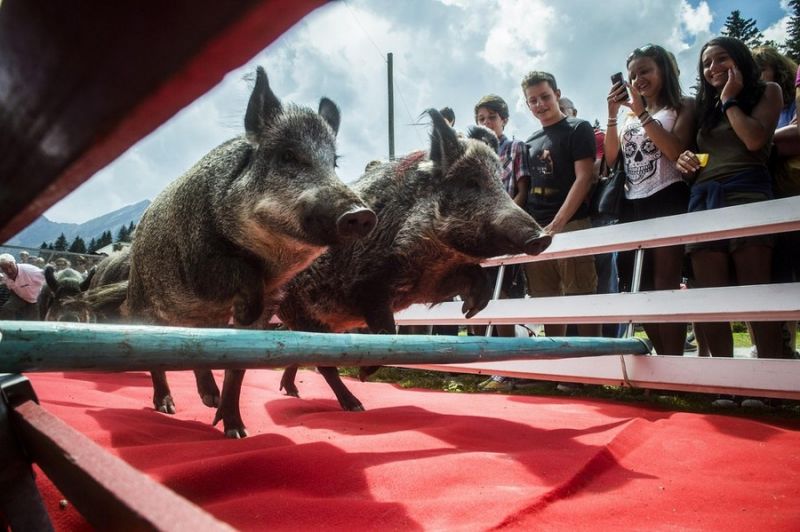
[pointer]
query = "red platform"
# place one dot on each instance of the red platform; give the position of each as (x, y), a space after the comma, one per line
(420, 459)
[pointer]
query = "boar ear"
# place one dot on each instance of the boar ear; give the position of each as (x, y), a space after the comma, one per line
(50, 277)
(86, 282)
(330, 112)
(485, 135)
(445, 147)
(262, 106)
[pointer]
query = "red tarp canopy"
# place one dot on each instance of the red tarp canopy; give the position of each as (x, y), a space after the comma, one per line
(83, 80)
(420, 459)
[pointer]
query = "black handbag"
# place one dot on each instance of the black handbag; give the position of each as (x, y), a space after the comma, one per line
(609, 191)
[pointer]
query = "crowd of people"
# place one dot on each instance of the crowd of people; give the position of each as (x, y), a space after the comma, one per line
(735, 141)
(22, 279)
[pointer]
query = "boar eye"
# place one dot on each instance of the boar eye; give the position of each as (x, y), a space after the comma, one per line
(289, 157)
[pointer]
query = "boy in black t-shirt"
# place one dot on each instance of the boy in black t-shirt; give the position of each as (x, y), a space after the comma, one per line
(561, 160)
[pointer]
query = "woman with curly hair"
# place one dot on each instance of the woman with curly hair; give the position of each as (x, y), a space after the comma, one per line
(737, 116)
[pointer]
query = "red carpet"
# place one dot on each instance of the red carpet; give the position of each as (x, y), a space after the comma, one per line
(420, 459)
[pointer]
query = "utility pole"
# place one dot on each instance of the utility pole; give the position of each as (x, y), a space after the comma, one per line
(389, 60)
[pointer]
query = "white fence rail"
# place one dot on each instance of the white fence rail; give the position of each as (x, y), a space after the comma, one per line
(773, 302)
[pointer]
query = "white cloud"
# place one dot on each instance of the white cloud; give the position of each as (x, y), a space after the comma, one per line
(779, 31)
(696, 19)
(446, 52)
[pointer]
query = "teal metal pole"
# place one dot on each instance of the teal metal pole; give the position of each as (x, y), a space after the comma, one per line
(57, 346)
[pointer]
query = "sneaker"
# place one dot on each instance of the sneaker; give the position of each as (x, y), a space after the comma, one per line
(752, 402)
(724, 403)
(569, 387)
(497, 383)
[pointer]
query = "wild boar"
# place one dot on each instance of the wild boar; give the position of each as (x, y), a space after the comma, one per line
(439, 215)
(225, 237)
(60, 288)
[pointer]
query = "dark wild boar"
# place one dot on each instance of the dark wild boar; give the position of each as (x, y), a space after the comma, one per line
(439, 215)
(60, 289)
(224, 238)
(103, 301)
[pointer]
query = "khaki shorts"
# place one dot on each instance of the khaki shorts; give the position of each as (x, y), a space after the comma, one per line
(560, 277)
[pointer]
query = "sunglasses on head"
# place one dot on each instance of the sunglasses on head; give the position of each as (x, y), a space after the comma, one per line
(646, 50)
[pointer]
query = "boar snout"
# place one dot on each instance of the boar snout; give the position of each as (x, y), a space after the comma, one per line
(537, 244)
(357, 223)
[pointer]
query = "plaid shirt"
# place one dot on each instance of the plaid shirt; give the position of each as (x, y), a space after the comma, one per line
(514, 161)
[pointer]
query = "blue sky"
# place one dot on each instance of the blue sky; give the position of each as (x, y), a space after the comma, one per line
(446, 52)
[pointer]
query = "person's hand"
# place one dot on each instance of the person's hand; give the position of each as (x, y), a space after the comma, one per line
(733, 86)
(687, 163)
(617, 96)
(636, 102)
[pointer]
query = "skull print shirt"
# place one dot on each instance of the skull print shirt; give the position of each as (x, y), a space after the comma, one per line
(646, 168)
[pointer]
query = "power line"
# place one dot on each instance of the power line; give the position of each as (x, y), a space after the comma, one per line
(382, 54)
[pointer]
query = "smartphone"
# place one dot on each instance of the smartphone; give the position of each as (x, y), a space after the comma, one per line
(617, 78)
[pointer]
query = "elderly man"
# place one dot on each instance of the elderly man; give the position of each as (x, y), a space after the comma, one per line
(25, 282)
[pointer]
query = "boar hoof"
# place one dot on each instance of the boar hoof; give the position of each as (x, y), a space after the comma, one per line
(210, 400)
(166, 405)
(290, 389)
(351, 404)
(236, 434)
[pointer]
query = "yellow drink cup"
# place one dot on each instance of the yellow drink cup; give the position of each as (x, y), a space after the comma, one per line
(703, 158)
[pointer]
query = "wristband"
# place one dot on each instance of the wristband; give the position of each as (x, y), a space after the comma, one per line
(727, 104)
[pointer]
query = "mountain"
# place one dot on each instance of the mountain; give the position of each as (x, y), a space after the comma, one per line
(44, 230)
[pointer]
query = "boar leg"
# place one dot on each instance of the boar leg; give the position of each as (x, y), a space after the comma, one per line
(207, 388)
(162, 398)
(228, 410)
(347, 400)
(287, 381)
(380, 320)
(471, 283)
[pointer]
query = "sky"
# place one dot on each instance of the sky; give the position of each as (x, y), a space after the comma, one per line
(445, 53)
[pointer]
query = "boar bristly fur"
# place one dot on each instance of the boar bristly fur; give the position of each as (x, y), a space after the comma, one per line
(225, 237)
(439, 215)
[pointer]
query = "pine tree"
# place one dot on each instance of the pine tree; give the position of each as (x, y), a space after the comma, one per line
(44, 245)
(77, 246)
(92, 246)
(744, 29)
(122, 234)
(105, 239)
(60, 243)
(792, 45)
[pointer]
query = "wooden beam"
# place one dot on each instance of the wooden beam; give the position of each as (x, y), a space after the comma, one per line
(736, 376)
(56, 346)
(110, 494)
(766, 217)
(772, 302)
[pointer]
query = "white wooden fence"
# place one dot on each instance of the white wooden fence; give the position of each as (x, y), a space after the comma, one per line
(774, 302)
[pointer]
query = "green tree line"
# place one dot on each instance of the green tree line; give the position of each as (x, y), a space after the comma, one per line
(78, 245)
(746, 30)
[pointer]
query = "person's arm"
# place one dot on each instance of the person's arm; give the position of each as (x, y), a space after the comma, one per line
(755, 129)
(584, 178)
(787, 141)
(611, 142)
(673, 143)
(522, 173)
(521, 194)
